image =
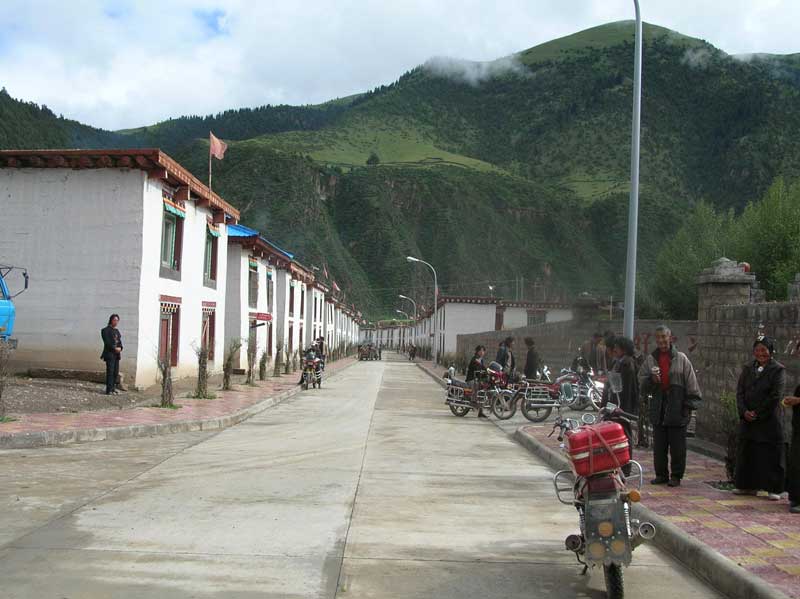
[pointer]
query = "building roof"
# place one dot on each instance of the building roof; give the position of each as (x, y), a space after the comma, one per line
(240, 234)
(156, 163)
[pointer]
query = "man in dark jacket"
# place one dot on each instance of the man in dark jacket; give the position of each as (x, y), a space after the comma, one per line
(532, 360)
(112, 352)
(668, 376)
(505, 355)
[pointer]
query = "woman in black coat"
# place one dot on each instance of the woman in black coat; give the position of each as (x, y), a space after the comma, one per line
(793, 471)
(760, 461)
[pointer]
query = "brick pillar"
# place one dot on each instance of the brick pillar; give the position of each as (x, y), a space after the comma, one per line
(725, 283)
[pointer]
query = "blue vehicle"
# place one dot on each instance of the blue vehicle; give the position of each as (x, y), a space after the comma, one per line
(7, 310)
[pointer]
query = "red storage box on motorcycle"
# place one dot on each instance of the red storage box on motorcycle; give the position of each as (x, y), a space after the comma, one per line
(598, 448)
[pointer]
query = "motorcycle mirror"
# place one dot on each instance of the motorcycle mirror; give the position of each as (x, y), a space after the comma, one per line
(615, 380)
(588, 419)
(452, 372)
(611, 407)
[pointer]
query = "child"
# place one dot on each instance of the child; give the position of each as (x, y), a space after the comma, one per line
(793, 471)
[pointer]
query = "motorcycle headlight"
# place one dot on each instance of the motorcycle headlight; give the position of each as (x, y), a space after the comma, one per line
(597, 550)
(605, 529)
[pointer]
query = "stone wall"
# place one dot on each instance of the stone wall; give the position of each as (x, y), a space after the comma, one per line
(732, 314)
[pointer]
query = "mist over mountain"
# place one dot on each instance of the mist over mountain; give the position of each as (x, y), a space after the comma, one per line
(493, 170)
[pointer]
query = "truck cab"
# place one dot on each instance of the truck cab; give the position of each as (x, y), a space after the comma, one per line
(7, 310)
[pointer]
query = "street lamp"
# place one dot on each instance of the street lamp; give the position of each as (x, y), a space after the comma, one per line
(405, 297)
(633, 206)
(404, 314)
(435, 306)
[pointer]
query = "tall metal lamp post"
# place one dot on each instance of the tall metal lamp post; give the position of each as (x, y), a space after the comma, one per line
(633, 206)
(405, 297)
(435, 306)
(404, 313)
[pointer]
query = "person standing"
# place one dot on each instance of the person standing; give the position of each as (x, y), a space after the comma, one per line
(505, 355)
(760, 457)
(625, 365)
(668, 376)
(112, 353)
(475, 366)
(532, 360)
(793, 471)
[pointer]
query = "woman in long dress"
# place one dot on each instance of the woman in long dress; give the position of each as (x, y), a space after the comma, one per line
(760, 463)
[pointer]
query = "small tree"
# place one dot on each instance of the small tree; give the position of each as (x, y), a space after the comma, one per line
(276, 371)
(295, 360)
(227, 364)
(165, 370)
(288, 366)
(262, 366)
(201, 390)
(373, 159)
(252, 353)
(730, 427)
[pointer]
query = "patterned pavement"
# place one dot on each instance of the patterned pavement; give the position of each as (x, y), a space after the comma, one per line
(758, 534)
(226, 403)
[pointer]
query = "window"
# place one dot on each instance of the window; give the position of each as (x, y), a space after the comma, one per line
(535, 317)
(171, 242)
(302, 302)
(269, 339)
(207, 333)
(270, 291)
(291, 298)
(169, 333)
(210, 266)
(291, 339)
(252, 296)
(315, 309)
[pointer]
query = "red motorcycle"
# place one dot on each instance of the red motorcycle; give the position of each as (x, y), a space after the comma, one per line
(536, 398)
(461, 397)
(312, 372)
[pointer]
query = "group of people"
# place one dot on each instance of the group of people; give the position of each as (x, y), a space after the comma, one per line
(666, 376)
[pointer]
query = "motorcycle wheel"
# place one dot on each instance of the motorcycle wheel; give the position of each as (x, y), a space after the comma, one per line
(593, 399)
(504, 406)
(460, 411)
(305, 384)
(534, 413)
(615, 584)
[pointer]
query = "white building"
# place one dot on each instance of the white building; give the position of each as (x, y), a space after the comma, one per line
(293, 282)
(114, 231)
(250, 314)
(315, 313)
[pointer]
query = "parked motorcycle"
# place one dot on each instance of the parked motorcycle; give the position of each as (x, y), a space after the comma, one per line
(536, 398)
(587, 384)
(462, 397)
(596, 486)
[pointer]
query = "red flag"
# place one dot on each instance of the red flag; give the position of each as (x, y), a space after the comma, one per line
(336, 287)
(217, 146)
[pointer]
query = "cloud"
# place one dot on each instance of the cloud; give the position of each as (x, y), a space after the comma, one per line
(472, 72)
(127, 63)
(698, 58)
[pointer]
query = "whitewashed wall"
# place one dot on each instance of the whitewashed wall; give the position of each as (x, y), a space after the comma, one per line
(79, 233)
(558, 315)
(514, 318)
(190, 288)
(460, 319)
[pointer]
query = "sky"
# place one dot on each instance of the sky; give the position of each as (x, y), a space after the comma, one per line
(126, 63)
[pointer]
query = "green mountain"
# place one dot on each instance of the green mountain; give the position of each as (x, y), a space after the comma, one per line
(490, 170)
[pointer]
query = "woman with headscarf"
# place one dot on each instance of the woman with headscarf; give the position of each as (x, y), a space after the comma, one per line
(793, 471)
(760, 461)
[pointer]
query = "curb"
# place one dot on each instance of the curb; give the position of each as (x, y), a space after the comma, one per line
(131, 431)
(720, 572)
(708, 565)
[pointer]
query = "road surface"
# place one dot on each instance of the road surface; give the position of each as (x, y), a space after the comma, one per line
(368, 488)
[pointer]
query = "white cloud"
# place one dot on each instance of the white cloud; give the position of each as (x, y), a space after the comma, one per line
(128, 63)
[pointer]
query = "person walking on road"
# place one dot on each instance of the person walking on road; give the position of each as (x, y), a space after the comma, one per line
(505, 356)
(112, 353)
(760, 457)
(668, 376)
(475, 366)
(532, 360)
(793, 471)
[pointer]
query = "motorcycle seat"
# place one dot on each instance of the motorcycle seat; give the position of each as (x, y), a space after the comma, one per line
(460, 384)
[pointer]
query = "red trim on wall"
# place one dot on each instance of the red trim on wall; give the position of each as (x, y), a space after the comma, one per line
(170, 299)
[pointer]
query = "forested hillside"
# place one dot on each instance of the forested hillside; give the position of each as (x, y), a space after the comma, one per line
(491, 170)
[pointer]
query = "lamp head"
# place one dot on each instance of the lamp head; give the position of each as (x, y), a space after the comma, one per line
(412, 259)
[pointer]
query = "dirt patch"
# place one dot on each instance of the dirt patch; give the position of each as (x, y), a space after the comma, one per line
(24, 395)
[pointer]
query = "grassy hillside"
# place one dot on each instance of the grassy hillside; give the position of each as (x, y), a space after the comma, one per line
(491, 170)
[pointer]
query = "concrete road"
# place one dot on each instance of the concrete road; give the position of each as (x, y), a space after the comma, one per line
(369, 488)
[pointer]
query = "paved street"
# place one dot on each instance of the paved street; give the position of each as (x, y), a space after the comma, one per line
(369, 488)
